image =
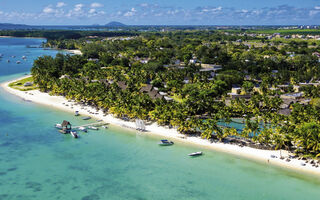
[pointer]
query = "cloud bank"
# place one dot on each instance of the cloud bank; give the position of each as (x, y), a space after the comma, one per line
(146, 13)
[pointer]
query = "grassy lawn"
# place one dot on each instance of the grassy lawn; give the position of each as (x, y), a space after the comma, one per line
(18, 85)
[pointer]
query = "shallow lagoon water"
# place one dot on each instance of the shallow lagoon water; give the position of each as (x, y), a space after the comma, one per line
(36, 162)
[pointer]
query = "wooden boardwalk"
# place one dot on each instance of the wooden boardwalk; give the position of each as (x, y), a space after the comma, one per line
(92, 124)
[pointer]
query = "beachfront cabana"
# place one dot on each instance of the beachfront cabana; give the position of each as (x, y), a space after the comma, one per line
(66, 126)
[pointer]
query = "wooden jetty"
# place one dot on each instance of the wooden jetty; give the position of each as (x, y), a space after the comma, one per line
(92, 124)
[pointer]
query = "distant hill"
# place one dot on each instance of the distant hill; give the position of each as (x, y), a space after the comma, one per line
(115, 24)
(13, 26)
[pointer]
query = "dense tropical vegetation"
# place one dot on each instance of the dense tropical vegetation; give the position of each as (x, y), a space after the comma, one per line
(114, 74)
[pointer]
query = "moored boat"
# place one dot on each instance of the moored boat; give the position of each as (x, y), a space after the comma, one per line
(86, 118)
(81, 128)
(165, 143)
(74, 134)
(199, 153)
(76, 113)
(58, 126)
(93, 128)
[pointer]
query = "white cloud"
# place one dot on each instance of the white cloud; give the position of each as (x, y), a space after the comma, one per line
(144, 5)
(48, 10)
(78, 7)
(60, 4)
(147, 13)
(92, 10)
(96, 5)
(130, 13)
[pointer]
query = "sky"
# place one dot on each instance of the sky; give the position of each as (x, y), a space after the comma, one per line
(161, 12)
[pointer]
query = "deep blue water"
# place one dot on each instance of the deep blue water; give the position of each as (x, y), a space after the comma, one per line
(36, 162)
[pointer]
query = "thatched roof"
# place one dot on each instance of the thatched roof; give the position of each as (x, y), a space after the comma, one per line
(286, 111)
(159, 96)
(146, 88)
(154, 94)
(122, 85)
(105, 82)
(65, 123)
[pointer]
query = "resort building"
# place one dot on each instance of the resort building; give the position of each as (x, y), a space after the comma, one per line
(122, 85)
(292, 96)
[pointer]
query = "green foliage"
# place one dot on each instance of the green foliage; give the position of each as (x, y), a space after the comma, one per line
(199, 97)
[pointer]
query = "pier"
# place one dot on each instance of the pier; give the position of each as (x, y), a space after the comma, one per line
(92, 124)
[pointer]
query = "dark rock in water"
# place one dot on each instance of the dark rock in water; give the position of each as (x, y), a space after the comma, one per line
(91, 197)
(12, 169)
(3, 173)
(82, 168)
(36, 187)
(4, 196)
(75, 188)
(6, 144)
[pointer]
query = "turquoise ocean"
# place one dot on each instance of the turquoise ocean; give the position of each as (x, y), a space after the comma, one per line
(36, 162)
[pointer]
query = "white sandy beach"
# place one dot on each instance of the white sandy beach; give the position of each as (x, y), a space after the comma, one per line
(247, 152)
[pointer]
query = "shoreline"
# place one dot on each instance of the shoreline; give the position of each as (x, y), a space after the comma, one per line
(262, 156)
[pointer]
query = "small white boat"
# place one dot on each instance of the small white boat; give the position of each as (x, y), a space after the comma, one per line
(74, 134)
(93, 128)
(24, 57)
(199, 153)
(18, 62)
(58, 126)
(81, 128)
(165, 143)
(105, 127)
